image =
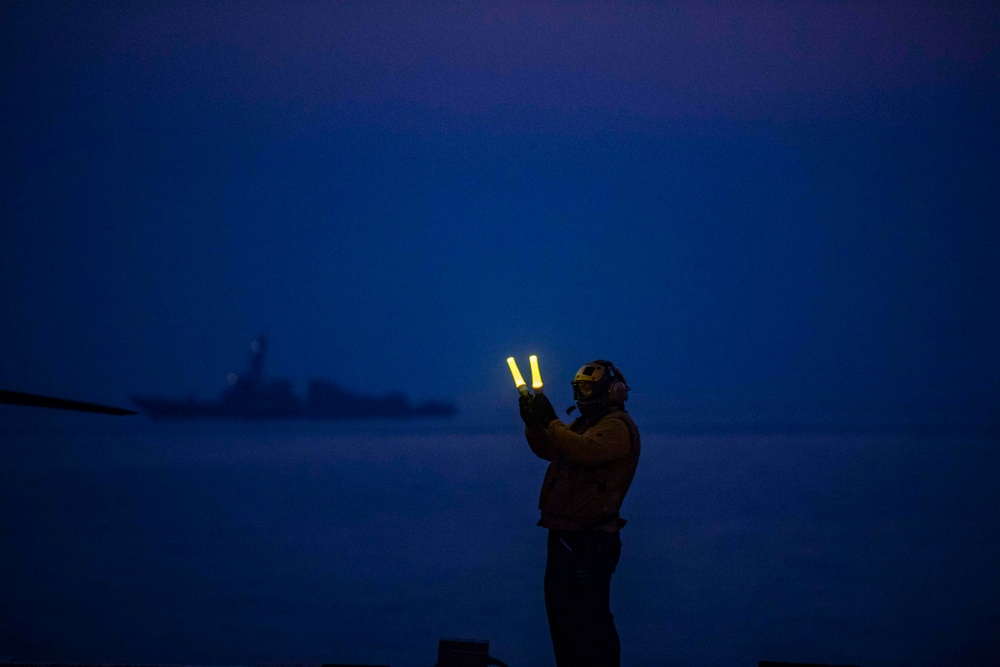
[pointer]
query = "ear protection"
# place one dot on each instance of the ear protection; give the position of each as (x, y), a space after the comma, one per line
(618, 388)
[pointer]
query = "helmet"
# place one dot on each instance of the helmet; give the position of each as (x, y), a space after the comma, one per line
(597, 386)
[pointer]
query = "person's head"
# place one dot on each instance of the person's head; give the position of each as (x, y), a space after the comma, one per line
(599, 386)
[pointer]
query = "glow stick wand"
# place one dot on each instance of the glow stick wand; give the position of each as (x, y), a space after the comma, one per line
(518, 380)
(536, 375)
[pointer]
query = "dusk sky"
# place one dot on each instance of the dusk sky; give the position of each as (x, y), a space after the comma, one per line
(747, 206)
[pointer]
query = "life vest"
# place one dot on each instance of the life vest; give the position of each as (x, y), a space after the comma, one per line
(578, 497)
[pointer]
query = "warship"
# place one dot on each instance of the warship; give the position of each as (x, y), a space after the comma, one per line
(250, 395)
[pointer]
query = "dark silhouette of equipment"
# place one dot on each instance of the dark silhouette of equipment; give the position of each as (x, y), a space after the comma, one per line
(465, 653)
(38, 401)
(771, 663)
(279, 664)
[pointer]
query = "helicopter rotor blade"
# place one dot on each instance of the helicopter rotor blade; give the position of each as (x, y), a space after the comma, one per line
(35, 400)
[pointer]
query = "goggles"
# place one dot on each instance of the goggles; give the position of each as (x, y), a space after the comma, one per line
(583, 390)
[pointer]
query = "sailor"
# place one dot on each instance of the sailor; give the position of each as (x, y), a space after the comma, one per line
(591, 465)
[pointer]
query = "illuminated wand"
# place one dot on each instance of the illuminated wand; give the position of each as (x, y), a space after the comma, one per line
(536, 376)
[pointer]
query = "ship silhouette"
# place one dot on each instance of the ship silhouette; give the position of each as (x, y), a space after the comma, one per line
(252, 396)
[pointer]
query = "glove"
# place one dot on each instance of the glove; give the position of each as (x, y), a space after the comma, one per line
(524, 405)
(542, 411)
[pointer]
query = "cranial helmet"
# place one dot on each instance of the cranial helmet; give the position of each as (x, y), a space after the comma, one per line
(599, 385)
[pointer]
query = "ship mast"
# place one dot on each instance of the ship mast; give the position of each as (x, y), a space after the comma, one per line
(258, 347)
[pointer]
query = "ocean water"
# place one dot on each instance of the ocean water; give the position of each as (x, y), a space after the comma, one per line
(245, 544)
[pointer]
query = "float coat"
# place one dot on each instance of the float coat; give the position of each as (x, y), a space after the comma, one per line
(591, 468)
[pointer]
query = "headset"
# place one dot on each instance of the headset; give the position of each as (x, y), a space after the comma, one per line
(617, 387)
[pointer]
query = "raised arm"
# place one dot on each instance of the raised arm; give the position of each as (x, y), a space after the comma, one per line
(540, 443)
(606, 441)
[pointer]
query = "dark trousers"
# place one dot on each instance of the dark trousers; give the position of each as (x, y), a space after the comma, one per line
(578, 598)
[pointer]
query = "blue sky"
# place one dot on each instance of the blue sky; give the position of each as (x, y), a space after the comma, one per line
(747, 206)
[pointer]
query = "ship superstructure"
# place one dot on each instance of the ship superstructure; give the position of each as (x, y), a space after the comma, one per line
(251, 395)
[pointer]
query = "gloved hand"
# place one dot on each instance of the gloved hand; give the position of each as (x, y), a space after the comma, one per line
(524, 405)
(542, 411)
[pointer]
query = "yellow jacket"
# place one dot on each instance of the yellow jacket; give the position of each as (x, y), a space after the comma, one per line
(590, 470)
